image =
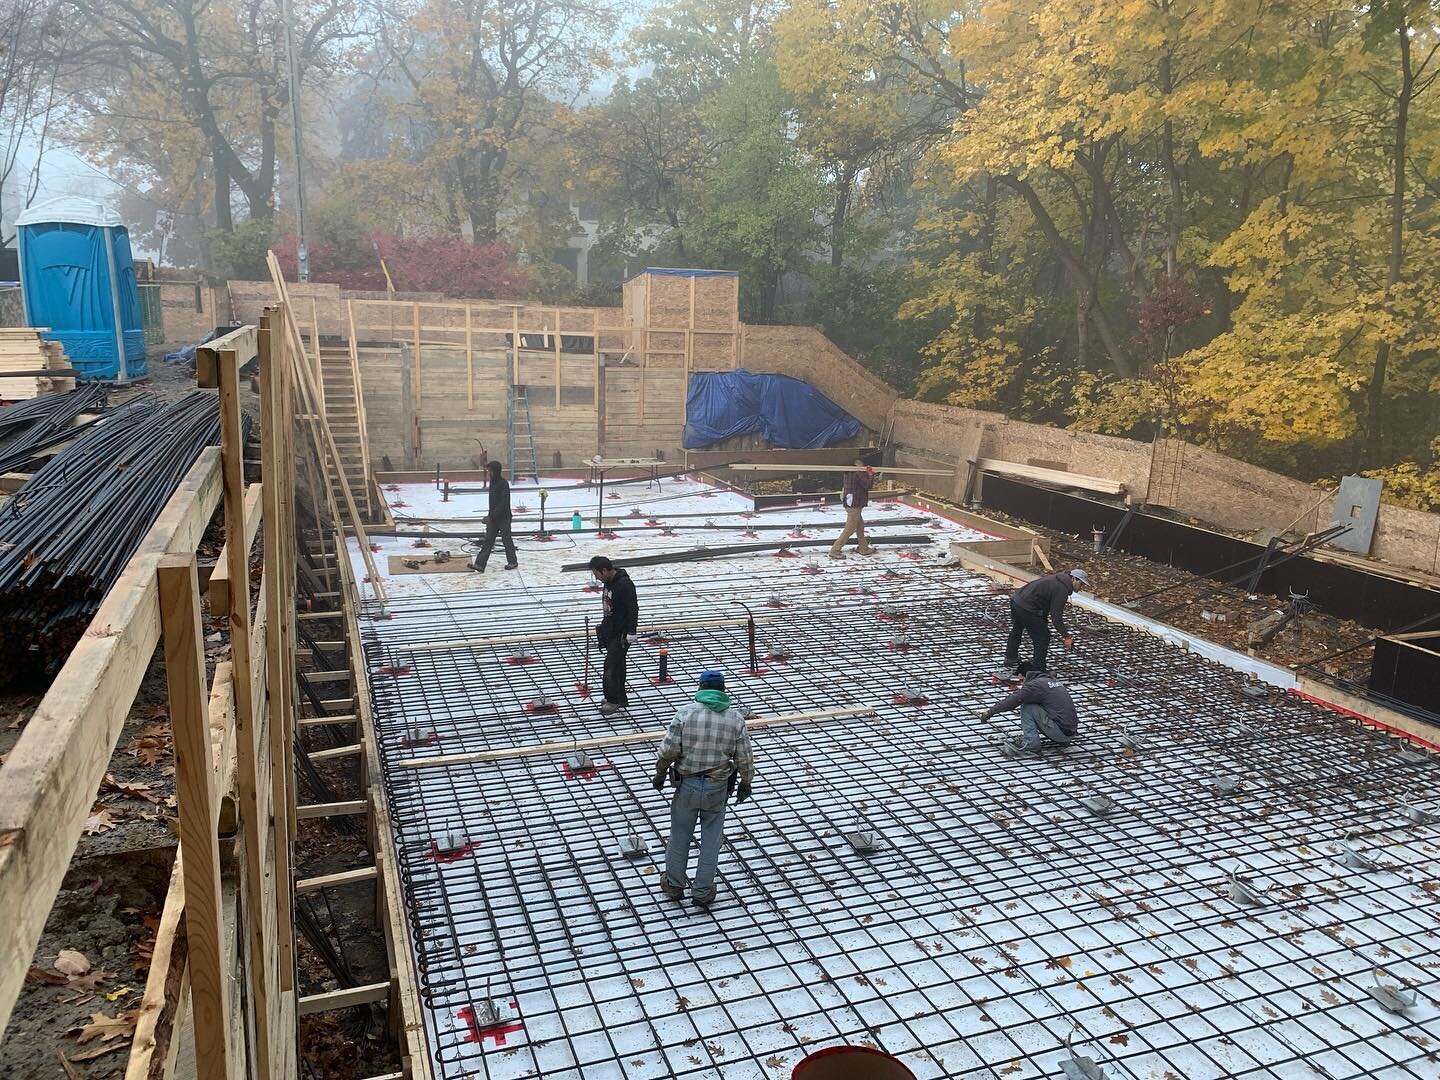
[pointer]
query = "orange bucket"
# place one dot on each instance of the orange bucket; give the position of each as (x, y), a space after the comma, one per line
(851, 1063)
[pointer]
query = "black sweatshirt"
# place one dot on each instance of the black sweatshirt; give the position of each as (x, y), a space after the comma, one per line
(622, 608)
(499, 500)
(1050, 694)
(1047, 596)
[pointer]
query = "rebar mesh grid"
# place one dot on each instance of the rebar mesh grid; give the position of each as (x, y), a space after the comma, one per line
(1000, 919)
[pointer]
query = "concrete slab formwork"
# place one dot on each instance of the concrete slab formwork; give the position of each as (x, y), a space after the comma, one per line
(1264, 866)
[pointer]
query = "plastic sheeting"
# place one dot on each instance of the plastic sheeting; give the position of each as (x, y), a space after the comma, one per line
(77, 277)
(787, 413)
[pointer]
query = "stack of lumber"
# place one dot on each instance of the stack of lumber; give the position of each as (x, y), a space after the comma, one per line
(30, 366)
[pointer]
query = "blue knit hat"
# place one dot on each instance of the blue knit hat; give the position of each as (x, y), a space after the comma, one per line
(713, 675)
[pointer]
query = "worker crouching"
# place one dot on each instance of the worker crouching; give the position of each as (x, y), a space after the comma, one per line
(1047, 713)
(706, 754)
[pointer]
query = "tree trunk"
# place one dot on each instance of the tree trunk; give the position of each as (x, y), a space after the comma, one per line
(1376, 392)
(224, 219)
(844, 188)
(1176, 207)
(1080, 276)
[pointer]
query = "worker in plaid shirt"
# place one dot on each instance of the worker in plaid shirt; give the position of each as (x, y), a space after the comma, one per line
(706, 754)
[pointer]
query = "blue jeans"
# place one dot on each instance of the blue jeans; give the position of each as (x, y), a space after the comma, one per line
(702, 798)
(1036, 727)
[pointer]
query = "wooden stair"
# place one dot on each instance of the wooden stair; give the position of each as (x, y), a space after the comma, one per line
(347, 423)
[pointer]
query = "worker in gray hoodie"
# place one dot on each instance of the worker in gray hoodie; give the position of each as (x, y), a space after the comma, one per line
(706, 754)
(1047, 713)
(1030, 607)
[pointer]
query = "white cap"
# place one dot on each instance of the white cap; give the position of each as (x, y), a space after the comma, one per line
(1080, 576)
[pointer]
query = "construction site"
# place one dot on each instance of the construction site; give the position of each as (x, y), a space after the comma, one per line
(290, 790)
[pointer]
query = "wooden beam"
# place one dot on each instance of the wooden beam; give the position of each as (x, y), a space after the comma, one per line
(330, 753)
(330, 881)
(316, 721)
(570, 635)
(1051, 476)
(259, 934)
(219, 586)
(342, 999)
(741, 466)
(194, 776)
(333, 809)
(243, 342)
(509, 752)
(50, 777)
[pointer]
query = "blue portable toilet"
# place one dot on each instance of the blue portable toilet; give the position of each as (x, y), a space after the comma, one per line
(78, 281)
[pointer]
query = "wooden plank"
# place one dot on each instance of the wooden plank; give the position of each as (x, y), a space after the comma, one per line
(330, 753)
(218, 587)
(342, 999)
(569, 635)
(509, 752)
(242, 342)
(258, 934)
(743, 466)
(332, 881)
(316, 721)
(1051, 476)
(167, 985)
(179, 588)
(332, 809)
(51, 775)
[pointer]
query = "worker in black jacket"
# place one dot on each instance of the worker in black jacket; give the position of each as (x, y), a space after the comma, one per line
(1047, 714)
(497, 523)
(1030, 607)
(616, 632)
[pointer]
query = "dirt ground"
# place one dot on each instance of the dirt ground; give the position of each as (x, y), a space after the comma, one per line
(1219, 613)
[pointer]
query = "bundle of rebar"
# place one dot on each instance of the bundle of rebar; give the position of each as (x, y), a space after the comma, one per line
(67, 533)
(32, 426)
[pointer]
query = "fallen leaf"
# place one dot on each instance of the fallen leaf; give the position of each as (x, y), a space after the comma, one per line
(1120, 1038)
(40, 975)
(101, 819)
(99, 1051)
(149, 755)
(116, 995)
(90, 980)
(107, 1027)
(1059, 962)
(71, 962)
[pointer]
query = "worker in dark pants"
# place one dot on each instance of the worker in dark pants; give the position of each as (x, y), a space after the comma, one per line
(1030, 607)
(1047, 714)
(706, 754)
(497, 523)
(616, 632)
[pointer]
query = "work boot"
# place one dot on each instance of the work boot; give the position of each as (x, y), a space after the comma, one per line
(703, 900)
(478, 567)
(1015, 748)
(866, 550)
(1007, 672)
(609, 708)
(511, 565)
(674, 892)
(837, 555)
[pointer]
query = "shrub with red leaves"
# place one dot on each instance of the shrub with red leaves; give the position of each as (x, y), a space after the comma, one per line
(442, 264)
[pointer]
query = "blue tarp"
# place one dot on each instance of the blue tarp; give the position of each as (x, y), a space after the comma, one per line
(671, 271)
(68, 284)
(787, 413)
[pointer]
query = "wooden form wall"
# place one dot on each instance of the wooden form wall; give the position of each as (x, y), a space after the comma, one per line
(436, 375)
(223, 962)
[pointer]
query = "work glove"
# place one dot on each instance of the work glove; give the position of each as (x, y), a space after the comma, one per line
(630, 639)
(659, 782)
(742, 793)
(986, 715)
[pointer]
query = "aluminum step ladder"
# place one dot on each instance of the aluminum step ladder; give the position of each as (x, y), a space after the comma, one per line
(522, 436)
